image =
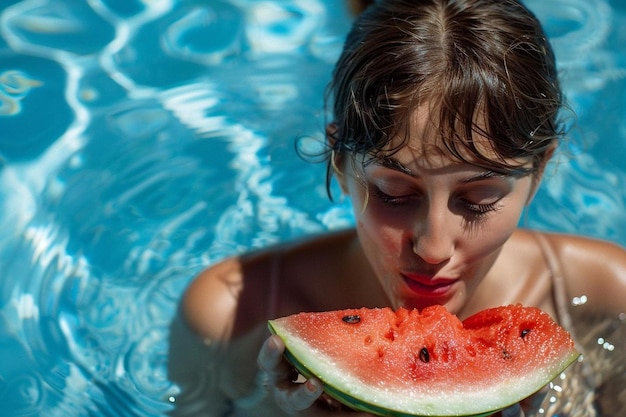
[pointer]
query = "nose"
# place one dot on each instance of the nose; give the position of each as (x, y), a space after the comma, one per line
(434, 236)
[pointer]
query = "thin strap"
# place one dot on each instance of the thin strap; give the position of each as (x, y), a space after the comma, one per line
(558, 284)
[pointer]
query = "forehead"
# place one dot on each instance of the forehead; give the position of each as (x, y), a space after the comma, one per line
(424, 138)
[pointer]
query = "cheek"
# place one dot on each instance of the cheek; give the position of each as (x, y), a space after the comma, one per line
(494, 236)
(491, 235)
(503, 223)
(381, 237)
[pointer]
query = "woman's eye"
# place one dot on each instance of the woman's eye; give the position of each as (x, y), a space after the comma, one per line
(387, 197)
(480, 209)
(481, 201)
(481, 204)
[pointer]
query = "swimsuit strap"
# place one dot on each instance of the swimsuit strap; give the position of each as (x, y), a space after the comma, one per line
(559, 293)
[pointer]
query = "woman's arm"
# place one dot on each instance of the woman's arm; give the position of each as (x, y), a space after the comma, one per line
(226, 371)
(200, 347)
(191, 366)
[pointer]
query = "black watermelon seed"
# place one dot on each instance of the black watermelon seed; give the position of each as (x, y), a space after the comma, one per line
(352, 319)
(424, 355)
(524, 333)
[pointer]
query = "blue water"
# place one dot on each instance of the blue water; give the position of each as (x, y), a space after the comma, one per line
(141, 140)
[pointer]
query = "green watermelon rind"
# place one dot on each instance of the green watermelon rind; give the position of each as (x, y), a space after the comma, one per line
(362, 405)
(358, 404)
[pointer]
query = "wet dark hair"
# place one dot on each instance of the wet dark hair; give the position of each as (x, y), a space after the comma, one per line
(482, 66)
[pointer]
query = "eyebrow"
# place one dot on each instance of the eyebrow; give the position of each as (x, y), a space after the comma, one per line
(486, 175)
(396, 165)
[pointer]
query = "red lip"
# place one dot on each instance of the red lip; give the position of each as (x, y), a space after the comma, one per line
(428, 286)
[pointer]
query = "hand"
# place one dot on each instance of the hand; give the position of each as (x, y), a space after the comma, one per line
(307, 398)
(295, 398)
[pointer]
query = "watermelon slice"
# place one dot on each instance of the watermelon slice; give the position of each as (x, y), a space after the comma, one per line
(428, 363)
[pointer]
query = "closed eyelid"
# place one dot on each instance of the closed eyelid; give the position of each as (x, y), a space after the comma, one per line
(393, 187)
(485, 192)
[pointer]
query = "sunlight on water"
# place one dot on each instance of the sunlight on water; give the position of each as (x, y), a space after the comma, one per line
(143, 139)
(14, 87)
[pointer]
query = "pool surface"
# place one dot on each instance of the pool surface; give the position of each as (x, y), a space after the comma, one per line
(141, 140)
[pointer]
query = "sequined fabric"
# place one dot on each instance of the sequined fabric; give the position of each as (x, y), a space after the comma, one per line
(596, 384)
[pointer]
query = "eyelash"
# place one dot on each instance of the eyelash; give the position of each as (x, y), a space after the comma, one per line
(479, 210)
(476, 210)
(389, 199)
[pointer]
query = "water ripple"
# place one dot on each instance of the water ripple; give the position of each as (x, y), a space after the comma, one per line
(579, 31)
(14, 87)
(279, 27)
(591, 208)
(144, 139)
(27, 87)
(205, 35)
(55, 27)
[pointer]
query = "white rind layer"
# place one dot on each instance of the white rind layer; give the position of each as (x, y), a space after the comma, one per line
(492, 393)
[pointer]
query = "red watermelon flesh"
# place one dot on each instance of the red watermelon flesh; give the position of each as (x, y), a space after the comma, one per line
(428, 363)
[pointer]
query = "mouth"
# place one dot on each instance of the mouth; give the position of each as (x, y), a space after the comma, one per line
(427, 286)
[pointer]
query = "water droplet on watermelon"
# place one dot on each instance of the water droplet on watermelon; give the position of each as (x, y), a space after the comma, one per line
(351, 319)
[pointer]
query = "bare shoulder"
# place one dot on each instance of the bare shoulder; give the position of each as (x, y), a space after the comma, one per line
(210, 301)
(234, 295)
(594, 268)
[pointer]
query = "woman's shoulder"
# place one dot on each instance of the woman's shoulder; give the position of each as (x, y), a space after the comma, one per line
(574, 248)
(212, 300)
(565, 244)
(586, 254)
(592, 267)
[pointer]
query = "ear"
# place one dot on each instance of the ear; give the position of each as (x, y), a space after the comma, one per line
(336, 159)
(538, 176)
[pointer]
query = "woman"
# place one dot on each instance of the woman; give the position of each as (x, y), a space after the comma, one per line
(445, 115)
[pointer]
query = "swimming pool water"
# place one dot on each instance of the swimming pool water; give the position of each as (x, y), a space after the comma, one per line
(141, 140)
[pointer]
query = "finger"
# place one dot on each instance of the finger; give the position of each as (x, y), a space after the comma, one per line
(271, 353)
(273, 364)
(300, 396)
(291, 397)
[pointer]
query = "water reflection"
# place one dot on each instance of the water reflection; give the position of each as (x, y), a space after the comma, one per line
(141, 140)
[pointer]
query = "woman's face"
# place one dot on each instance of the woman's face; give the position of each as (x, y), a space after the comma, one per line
(430, 226)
